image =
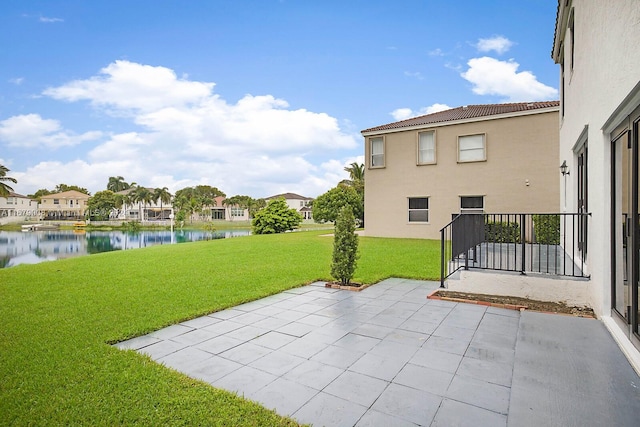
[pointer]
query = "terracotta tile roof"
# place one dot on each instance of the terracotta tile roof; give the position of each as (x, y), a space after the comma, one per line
(288, 196)
(555, 33)
(465, 112)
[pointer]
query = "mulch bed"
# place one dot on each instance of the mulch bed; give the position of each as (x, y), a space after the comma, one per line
(513, 303)
(353, 286)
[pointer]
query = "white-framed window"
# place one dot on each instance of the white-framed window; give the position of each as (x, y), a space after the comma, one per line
(376, 146)
(427, 148)
(472, 148)
(237, 212)
(11, 201)
(418, 209)
(56, 201)
(471, 204)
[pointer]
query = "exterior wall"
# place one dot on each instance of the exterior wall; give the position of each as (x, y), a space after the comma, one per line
(16, 208)
(573, 292)
(296, 203)
(134, 211)
(607, 60)
(520, 174)
(71, 204)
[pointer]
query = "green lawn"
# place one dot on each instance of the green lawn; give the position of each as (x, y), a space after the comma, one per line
(56, 367)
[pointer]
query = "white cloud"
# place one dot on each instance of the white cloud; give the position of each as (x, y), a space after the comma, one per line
(436, 52)
(414, 74)
(17, 81)
(51, 173)
(499, 44)
(31, 130)
(49, 20)
(125, 85)
(490, 76)
(407, 113)
(183, 134)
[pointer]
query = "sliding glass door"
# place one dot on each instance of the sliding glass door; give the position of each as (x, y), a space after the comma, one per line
(625, 226)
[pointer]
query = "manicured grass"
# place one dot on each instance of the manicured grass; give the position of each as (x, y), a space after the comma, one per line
(56, 367)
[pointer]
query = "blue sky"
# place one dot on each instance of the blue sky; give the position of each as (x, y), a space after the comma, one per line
(253, 97)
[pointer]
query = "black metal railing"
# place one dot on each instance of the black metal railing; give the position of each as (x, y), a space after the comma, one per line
(539, 243)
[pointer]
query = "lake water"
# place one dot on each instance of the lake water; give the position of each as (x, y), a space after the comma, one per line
(18, 247)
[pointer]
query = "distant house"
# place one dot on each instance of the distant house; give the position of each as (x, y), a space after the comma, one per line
(68, 205)
(140, 211)
(476, 158)
(596, 47)
(300, 203)
(16, 207)
(220, 211)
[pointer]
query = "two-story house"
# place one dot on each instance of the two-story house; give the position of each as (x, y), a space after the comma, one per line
(68, 205)
(596, 45)
(295, 201)
(16, 207)
(474, 158)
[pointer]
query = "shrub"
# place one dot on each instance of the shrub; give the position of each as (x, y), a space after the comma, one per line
(131, 226)
(547, 229)
(502, 232)
(327, 206)
(345, 246)
(276, 217)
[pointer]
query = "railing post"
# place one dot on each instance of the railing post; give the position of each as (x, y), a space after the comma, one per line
(442, 257)
(522, 242)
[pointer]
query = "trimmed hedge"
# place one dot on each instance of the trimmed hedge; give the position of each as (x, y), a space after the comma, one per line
(502, 232)
(547, 229)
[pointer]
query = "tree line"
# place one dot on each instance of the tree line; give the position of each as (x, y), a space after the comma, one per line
(191, 202)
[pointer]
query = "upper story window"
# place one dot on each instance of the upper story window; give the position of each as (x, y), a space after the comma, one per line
(56, 201)
(376, 146)
(418, 209)
(572, 37)
(426, 148)
(471, 204)
(472, 148)
(11, 200)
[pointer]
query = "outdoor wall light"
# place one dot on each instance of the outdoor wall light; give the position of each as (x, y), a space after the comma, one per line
(564, 169)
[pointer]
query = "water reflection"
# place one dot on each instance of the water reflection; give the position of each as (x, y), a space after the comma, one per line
(33, 247)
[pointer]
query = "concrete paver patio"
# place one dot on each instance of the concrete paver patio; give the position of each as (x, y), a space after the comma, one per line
(388, 356)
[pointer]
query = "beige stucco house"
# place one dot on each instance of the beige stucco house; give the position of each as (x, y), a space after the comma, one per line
(222, 211)
(476, 158)
(69, 205)
(596, 45)
(155, 210)
(16, 207)
(295, 201)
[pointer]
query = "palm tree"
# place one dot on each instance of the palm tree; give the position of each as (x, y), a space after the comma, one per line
(356, 171)
(162, 195)
(4, 188)
(356, 181)
(117, 183)
(142, 195)
(356, 175)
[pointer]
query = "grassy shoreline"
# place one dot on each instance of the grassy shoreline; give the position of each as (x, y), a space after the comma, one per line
(196, 225)
(58, 318)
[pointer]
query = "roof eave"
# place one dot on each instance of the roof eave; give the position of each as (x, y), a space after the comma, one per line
(461, 121)
(562, 17)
